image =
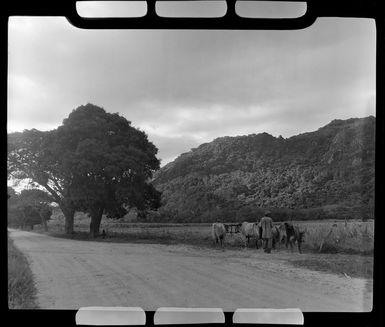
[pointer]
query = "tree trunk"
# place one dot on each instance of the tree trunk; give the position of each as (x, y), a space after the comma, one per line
(96, 218)
(69, 214)
(44, 223)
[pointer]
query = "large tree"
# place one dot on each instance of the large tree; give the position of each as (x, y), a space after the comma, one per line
(111, 163)
(33, 155)
(95, 162)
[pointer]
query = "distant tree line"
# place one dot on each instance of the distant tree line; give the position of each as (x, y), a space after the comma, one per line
(29, 208)
(253, 213)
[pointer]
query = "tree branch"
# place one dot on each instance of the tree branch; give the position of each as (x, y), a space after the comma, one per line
(60, 190)
(52, 192)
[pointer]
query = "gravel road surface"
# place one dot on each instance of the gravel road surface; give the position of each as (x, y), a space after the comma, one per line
(71, 274)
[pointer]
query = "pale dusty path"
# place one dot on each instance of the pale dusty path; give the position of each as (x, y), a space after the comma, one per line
(71, 274)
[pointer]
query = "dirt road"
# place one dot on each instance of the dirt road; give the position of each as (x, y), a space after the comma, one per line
(72, 274)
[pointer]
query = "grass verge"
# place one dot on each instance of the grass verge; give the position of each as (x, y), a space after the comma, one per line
(360, 266)
(21, 288)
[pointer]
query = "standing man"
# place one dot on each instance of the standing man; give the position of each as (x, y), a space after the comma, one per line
(267, 226)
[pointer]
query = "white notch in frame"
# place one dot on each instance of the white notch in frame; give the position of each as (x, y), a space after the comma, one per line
(97, 316)
(268, 316)
(184, 316)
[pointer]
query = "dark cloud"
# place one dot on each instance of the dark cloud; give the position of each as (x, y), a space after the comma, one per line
(188, 87)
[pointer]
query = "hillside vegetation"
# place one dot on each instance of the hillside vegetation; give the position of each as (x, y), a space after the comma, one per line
(325, 174)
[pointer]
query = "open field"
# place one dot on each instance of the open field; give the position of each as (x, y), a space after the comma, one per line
(339, 237)
(21, 288)
(325, 236)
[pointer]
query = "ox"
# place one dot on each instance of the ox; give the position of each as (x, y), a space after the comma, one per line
(294, 235)
(218, 232)
(276, 235)
(251, 230)
(282, 233)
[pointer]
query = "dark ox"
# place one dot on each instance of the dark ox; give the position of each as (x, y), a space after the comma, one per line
(294, 235)
(276, 236)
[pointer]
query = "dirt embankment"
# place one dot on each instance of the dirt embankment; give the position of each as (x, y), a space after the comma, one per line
(71, 274)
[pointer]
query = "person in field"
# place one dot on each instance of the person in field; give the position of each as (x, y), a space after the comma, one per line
(267, 235)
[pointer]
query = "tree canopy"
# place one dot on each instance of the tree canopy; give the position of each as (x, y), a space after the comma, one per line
(94, 162)
(32, 156)
(111, 161)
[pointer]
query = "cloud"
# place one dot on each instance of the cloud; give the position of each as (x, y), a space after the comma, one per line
(188, 87)
(172, 147)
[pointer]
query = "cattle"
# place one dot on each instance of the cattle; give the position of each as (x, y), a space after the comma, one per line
(276, 235)
(249, 230)
(294, 235)
(282, 233)
(218, 232)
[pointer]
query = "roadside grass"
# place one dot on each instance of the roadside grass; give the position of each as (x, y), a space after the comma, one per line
(353, 237)
(143, 235)
(21, 288)
(350, 266)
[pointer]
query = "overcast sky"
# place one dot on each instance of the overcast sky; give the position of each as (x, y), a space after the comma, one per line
(184, 88)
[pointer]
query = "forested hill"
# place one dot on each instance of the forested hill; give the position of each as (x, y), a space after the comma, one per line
(322, 174)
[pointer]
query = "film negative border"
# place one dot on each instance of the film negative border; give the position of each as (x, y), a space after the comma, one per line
(124, 316)
(325, 8)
